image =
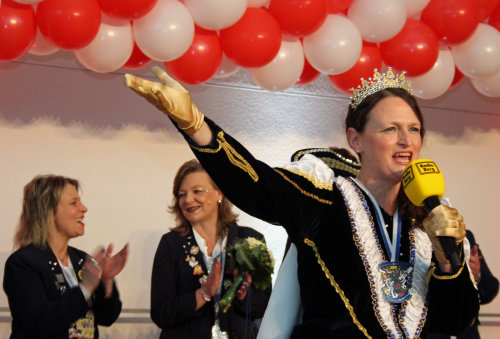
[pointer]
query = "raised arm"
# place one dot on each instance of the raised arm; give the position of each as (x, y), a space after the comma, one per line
(267, 193)
(170, 97)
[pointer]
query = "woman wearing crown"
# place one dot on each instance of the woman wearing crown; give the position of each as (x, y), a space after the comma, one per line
(369, 263)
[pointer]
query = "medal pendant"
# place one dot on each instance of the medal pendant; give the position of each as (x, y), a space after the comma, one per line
(217, 333)
(395, 276)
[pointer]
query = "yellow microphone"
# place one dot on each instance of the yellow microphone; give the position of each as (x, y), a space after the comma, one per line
(423, 184)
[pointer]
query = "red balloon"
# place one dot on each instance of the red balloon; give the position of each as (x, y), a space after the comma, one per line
(369, 60)
(459, 76)
(137, 59)
(126, 9)
(17, 29)
(495, 18)
(486, 8)
(338, 6)
(201, 60)
(414, 49)
(308, 75)
(299, 17)
(453, 21)
(254, 40)
(69, 24)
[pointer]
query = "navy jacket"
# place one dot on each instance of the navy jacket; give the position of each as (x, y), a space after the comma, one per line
(174, 283)
(40, 301)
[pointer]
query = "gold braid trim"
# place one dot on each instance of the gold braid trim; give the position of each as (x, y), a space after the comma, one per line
(310, 195)
(430, 273)
(447, 277)
(207, 149)
(337, 288)
(233, 156)
(337, 164)
(311, 178)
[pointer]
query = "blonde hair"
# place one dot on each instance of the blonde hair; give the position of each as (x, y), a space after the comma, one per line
(41, 196)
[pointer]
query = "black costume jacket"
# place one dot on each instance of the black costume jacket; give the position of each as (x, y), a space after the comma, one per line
(177, 269)
(339, 250)
(41, 302)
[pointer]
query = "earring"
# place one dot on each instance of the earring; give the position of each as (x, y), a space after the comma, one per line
(219, 202)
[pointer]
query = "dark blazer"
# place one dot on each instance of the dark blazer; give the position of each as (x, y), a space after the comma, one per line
(174, 283)
(487, 288)
(42, 304)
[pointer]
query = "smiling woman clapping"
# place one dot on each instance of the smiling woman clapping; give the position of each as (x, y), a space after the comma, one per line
(55, 290)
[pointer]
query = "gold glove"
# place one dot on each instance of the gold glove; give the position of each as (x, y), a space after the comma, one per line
(170, 97)
(444, 221)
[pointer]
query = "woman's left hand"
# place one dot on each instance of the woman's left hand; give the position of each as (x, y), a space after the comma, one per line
(245, 285)
(112, 265)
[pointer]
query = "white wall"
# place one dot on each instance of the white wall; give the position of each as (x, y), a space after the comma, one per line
(57, 118)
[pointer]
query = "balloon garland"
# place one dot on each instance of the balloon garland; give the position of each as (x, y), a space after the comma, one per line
(281, 43)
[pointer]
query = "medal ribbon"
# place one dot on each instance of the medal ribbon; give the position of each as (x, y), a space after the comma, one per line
(394, 245)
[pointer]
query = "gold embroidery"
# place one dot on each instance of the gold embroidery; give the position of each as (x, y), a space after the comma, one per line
(310, 195)
(448, 277)
(336, 164)
(344, 164)
(310, 177)
(430, 274)
(233, 156)
(236, 159)
(206, 149)
(336, 286)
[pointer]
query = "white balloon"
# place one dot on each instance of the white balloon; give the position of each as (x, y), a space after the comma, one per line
(216, 14)
(378, 20)
(226, 68)
(28, 2)
(166, 32)
(438, 79)
(41, 46)
(110, 49)
(414, 7)
(479, 56)
(257, 3)
(489, 86)
(284, 70)
(335, 47)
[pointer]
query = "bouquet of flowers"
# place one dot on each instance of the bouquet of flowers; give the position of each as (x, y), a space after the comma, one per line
(248, 255)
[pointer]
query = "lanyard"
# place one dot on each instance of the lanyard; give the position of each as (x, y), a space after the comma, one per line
(394, 245)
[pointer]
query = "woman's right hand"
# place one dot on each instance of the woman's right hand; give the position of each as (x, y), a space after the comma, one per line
(444, 221)
(170, 97)
(91, 274)
(213, 280)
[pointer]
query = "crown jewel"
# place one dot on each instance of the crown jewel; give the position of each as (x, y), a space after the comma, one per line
(379, 82)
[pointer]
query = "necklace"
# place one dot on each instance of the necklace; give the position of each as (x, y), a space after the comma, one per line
(395, 273)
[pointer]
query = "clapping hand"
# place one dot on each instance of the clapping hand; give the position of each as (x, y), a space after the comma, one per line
(102, 267)
(213, 280)
(91, 274)
(112, 265)
(475, 263)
